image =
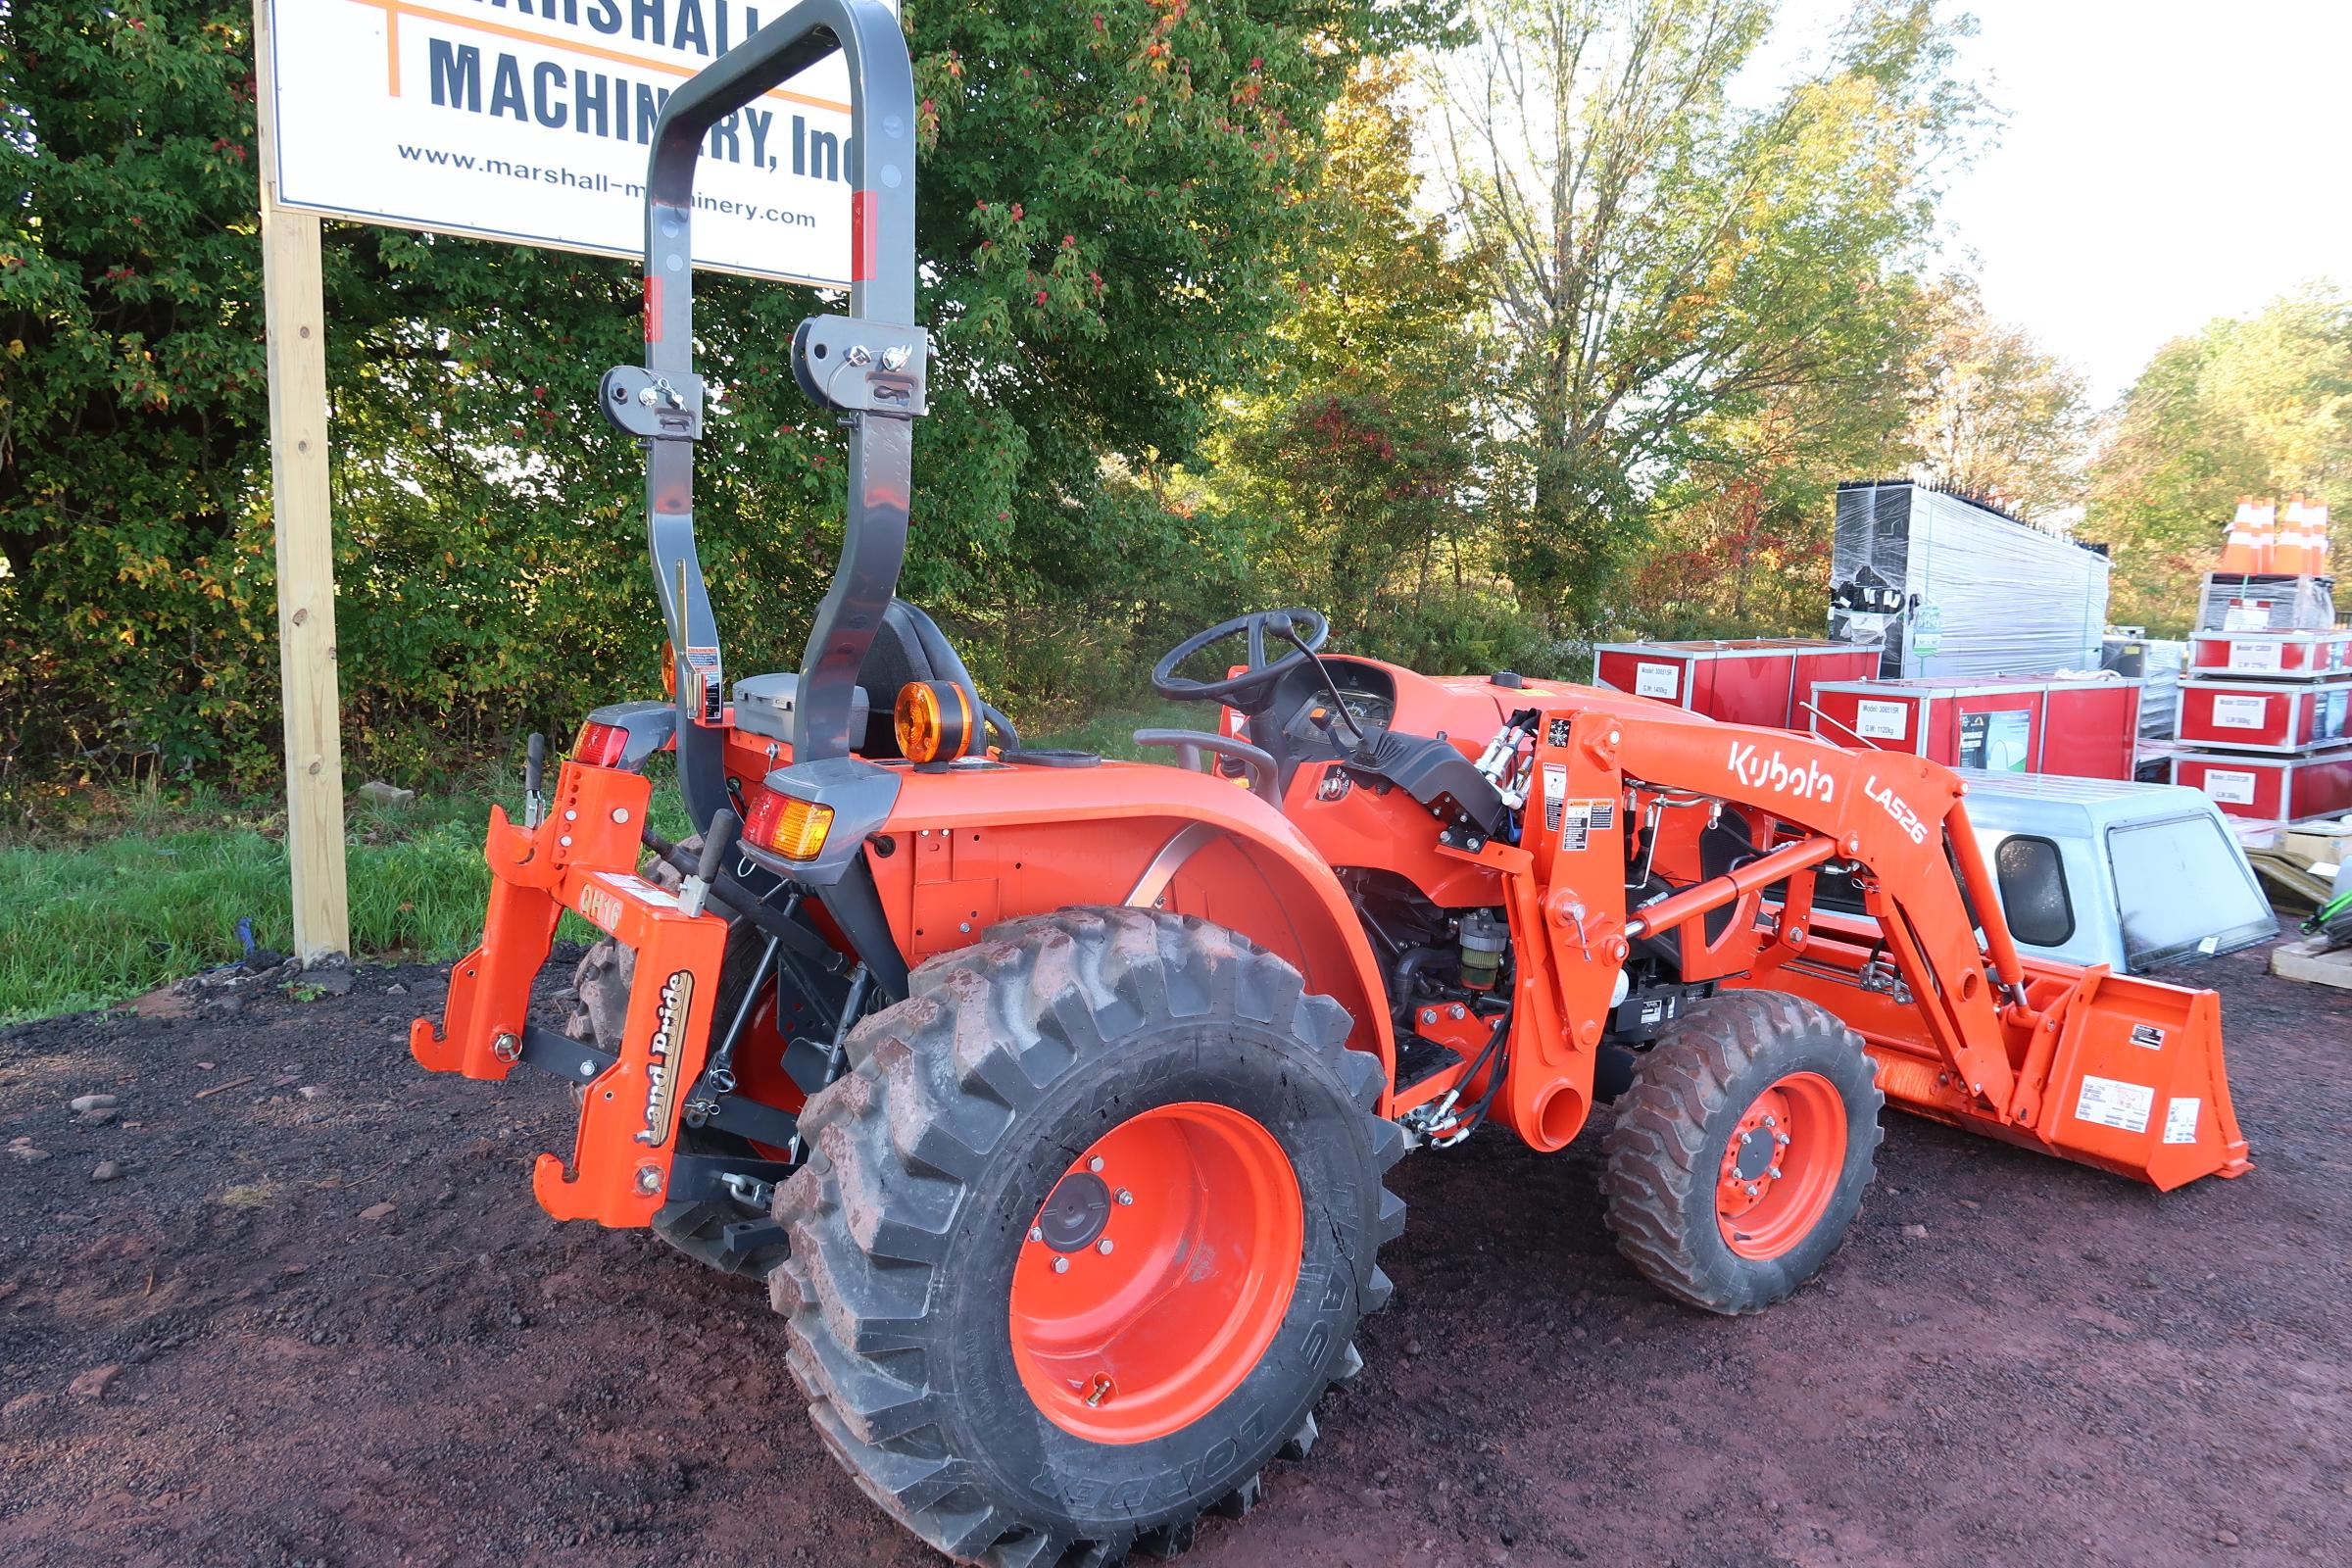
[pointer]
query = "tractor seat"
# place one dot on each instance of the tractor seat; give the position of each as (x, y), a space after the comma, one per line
(908, 646)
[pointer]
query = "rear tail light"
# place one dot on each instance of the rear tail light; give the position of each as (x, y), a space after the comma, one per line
(599, 745)
(785, 825)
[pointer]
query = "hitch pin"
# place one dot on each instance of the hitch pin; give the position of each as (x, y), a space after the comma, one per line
(534, 778)
(719, 842)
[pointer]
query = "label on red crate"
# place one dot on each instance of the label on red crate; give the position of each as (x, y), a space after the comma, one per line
(1658, 680)
(2231, 785)
(2112, 1103)
(2240, 713)
(2254, 655)
(2181, 1120)
(1882, 721)
(2245, 614)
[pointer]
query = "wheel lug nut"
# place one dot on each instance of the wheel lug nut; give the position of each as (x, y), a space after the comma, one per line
(1774, 1173)
(1125, 1197)
(1751, 1188)
(1770, 1121)
(1094, 1164)
(1061, 1266)
(1104, 1246)
(1037, 1232)
(1780, 1139)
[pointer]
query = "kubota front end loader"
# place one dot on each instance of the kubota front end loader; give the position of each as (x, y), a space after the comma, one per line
(1052, 1097)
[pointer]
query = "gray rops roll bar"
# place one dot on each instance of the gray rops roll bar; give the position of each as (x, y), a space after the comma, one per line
(868, 365)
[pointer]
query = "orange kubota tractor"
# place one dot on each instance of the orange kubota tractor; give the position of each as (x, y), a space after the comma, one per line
(1052, 1095)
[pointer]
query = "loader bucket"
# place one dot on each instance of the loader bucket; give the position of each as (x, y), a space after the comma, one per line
(2122, 1073)
(2108, 1070)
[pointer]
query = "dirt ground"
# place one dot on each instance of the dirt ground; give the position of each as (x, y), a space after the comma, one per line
(317, 1318)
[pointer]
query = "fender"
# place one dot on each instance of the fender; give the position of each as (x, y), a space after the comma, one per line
(968, 847)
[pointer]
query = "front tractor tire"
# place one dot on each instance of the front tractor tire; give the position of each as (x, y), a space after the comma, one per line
(1742, 1151)
(1083, 1235)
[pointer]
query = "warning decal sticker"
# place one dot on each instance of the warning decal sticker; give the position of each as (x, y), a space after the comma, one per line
(2181, 1121)
(2147, 1035)
(1555, 793)
(1581, 820)
(2112, 1103)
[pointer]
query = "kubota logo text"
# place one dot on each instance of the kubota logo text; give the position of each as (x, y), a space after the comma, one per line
(1807, 782)
(661, 1083)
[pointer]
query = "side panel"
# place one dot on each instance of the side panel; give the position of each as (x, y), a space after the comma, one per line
(1752, 688)
(2092, 730)
(1814, 666)
(969, 847)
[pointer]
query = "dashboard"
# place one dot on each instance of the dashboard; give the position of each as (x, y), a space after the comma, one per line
(1370, 698)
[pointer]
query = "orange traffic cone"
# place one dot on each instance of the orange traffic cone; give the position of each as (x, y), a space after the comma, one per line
(2266, 533)
(2317, 522)
(2237, 553)
(2290, 555)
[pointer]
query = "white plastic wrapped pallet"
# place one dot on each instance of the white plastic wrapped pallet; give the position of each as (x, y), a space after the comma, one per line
(1957, 588)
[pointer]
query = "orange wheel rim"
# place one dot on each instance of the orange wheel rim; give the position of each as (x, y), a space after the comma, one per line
(1157, 1272)
(1780, 1167)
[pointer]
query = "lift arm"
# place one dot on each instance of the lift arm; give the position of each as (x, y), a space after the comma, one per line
(2118, 1072)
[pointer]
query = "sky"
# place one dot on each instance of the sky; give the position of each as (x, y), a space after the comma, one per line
(2164, 162)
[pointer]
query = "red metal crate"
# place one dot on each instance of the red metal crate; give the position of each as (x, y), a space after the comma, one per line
(2262, 715)
(1750, 681)
(2271, 654)
(2271, 789)
(2024, 724)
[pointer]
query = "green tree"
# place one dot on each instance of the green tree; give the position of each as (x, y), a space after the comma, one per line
(2259, 405)
(1101, 190)
(1362, 440)
(1667, 259)
(1993, 413)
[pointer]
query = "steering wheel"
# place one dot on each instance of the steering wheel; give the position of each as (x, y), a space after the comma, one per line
(1253, 687)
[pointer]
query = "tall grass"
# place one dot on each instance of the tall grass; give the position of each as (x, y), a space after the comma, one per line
(154, 889)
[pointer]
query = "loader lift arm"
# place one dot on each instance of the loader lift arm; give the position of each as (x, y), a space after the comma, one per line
(2119, 1072)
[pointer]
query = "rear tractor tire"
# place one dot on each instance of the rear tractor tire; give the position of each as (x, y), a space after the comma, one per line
(1083, 1235)
(1742, 1151)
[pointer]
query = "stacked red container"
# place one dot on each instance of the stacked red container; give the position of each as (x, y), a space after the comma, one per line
(2265, 721)
(1747, 680)
(2071, 725)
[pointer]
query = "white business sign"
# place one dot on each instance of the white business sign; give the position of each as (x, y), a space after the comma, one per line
(532, 121)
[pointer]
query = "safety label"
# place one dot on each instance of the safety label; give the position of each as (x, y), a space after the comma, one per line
(1555, 795)
(2231, 785)
(2181, 1121)
(1658, 680)
(2112, 1103)
(1882, 721)
(2254, 655)
(2147, 1035)
(702, 664)
(601, 906)
(1581, 820)
(2241, 713)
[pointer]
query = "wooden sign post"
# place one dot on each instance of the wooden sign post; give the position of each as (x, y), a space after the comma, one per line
(294, 310)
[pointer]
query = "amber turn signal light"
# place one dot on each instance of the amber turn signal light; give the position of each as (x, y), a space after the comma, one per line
(933, 721)
(786, 826)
